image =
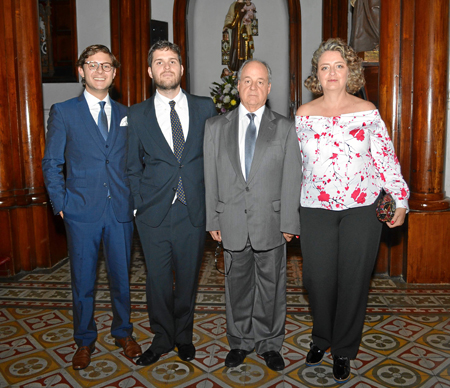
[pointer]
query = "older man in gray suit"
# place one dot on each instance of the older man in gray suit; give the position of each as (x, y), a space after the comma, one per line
(252, 180)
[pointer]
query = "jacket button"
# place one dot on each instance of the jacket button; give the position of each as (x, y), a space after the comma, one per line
(104, 184)
(245, 211)
(107, 161)
(109, 197)
(247, 189)
(174, 188)
(107, 146)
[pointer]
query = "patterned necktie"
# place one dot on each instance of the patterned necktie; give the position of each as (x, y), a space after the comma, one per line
(102, 120)
(178, 146)
(250, 140)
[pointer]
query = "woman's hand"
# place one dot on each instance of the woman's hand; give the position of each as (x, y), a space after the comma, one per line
(398, 219)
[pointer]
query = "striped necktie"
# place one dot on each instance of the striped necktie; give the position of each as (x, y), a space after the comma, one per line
(178, 146)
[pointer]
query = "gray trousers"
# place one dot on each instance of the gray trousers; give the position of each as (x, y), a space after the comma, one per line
(255, 292)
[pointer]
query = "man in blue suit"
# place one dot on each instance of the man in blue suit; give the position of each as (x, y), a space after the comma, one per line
(87, 135)
(165, 169)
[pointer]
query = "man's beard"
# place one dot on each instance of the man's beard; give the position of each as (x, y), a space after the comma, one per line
(168, 85)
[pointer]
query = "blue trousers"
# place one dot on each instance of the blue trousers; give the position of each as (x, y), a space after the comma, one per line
(84, 243)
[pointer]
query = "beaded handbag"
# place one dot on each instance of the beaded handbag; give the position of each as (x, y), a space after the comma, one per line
(385, 208)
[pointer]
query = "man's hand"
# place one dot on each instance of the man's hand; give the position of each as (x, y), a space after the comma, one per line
(288, 236)
(216, 235)
(61, 214)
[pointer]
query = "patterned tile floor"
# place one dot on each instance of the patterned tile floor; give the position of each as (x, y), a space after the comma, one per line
(406, 339)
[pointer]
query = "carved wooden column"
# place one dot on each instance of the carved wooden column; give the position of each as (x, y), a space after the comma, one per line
(24, 216)
(428, 231)
(430, 99)
(130, 42)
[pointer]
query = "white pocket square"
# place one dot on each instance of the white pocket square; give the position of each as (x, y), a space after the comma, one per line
(124, 122)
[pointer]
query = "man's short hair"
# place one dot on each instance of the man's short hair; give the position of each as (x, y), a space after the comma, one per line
(269, 71)
(163, 45)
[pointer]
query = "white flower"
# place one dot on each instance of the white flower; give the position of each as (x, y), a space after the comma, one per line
(226, 99)
(234, 91)
(227, 88)
(219, 105)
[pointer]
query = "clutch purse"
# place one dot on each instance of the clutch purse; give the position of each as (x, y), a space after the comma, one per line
(385, 208)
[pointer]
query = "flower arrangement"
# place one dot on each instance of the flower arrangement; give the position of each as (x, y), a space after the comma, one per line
(225, 95)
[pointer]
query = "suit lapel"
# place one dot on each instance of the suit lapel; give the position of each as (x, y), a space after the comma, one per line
(153, 130)
(193, 120)
(265, 135)
(231, 131)
(89, 123)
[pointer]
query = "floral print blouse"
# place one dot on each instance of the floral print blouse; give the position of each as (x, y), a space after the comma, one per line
(347, 160)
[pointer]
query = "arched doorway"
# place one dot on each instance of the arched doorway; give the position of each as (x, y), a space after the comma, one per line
(180, 33)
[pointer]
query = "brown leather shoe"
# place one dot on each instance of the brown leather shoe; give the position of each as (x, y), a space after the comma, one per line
(130, 346)
(82, 357)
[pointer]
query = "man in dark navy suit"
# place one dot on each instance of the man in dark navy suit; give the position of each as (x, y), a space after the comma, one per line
(88, 136)
(165, 167)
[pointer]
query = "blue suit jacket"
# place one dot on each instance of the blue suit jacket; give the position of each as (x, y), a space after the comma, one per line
(153, 169)
(92, 165)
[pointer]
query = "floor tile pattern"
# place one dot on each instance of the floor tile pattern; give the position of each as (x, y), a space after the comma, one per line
(405, 342)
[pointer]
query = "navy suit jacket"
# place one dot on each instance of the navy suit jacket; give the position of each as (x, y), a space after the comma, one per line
(153, 169)
(93, 166)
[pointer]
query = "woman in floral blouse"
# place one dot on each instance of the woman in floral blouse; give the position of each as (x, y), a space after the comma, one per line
(348, 158)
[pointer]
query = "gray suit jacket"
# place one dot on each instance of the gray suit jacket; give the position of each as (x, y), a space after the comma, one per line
(268, 203)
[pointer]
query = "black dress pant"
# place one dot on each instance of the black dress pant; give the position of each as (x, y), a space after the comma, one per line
(339, 251)
(174, 247)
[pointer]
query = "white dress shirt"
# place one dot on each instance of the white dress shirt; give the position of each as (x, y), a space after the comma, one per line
(162, 110)
(244, 121)
(94, 106)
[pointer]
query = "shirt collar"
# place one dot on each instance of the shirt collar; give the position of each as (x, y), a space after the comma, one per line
(92, 100)
(243, 111)
(163, 101)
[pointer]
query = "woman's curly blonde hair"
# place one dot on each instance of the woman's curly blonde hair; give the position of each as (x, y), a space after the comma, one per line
(355, 79)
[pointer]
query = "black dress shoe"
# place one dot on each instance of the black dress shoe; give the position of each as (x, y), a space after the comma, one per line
(235, 357)
(186, 352)
(315, 355)
(273, 360)
(341, 369)
(148, 358)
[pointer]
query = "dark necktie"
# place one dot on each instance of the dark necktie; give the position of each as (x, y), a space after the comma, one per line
(102, 120)
(250, 140)
(178, 146)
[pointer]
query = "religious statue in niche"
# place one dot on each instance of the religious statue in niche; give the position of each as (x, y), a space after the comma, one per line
(365, 36)
(237, 35)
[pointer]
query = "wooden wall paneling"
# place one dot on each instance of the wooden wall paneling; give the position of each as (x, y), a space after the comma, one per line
(334, 19)
(180, 10)
(130, 39)
(295, 58)
(430, 101)
(23, 200)
(143, 47)
(428, 247)
(392, 250)
(399, 252)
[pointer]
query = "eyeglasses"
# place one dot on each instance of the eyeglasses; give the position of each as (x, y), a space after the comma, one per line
(93, 66)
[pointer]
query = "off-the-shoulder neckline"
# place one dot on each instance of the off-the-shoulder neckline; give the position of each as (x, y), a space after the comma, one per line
(344, 114)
